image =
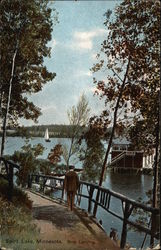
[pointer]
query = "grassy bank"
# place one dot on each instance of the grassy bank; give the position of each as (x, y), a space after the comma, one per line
(17, 228)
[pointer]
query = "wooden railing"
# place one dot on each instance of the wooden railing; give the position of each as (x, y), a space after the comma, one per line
(7, 173)
(105, 196)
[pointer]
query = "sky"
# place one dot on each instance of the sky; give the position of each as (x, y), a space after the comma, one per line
(76, 40)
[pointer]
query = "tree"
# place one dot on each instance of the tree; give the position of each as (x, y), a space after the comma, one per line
(26, 158)
(127, 40)
(55, 154)
(78, 117)
(92, 155)
(130, 56)
(26, 28)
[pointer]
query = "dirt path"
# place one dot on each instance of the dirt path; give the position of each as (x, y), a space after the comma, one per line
(61, 229)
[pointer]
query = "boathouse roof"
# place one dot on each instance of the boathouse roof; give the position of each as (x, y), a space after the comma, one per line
(121, 141)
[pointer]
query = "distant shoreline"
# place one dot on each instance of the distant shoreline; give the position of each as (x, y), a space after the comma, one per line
(34, 135)
(55, 131)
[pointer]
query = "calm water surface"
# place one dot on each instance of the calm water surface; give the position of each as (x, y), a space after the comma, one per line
(132, 186)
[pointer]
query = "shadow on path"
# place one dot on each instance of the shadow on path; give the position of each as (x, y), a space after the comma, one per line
(61, 229)
(59, 216)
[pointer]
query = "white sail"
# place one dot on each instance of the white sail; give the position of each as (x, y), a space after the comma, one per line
(46, 134)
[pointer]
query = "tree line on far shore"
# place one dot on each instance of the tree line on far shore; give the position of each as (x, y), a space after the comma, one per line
(55, 130)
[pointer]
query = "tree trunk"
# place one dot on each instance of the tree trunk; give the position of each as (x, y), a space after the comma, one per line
(155, 180)
(70, 152)
(1, 95)
(8, 102)
(114, 124)
(155, 186)
(160, 152)
(111, 136)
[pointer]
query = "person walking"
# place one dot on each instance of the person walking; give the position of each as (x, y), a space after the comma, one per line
(71, 185)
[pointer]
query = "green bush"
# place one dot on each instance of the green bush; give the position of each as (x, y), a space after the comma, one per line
(20, 198)
(16, 226)
(26, 159)
(16, 219)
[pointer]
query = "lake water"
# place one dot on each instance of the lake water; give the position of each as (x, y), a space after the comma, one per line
(132, 186)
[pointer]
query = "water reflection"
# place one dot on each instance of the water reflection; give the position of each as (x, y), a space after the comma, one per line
(128, 184)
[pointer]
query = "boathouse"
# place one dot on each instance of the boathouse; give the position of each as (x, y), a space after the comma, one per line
(123, 156)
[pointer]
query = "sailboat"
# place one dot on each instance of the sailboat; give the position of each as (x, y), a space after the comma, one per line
(47, 136)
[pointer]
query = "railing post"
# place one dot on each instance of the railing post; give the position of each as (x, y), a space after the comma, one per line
(29, 181)
(90, 199)
(44, 182)
(126, 211)
(37, 179)
(10, 183)
(62, 196)
(153, 229)
(96, 205)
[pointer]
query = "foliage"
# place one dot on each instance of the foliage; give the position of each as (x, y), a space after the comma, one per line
(26, 159)
(43, 166)
(46, 167)
(55, 158)
(133, 35)
(19, 131)
(55, 154)
(17, 225)
(15, 218)
(19, 197)
(26, 24)
(92, 155)
(130, 56)
(78, 117)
